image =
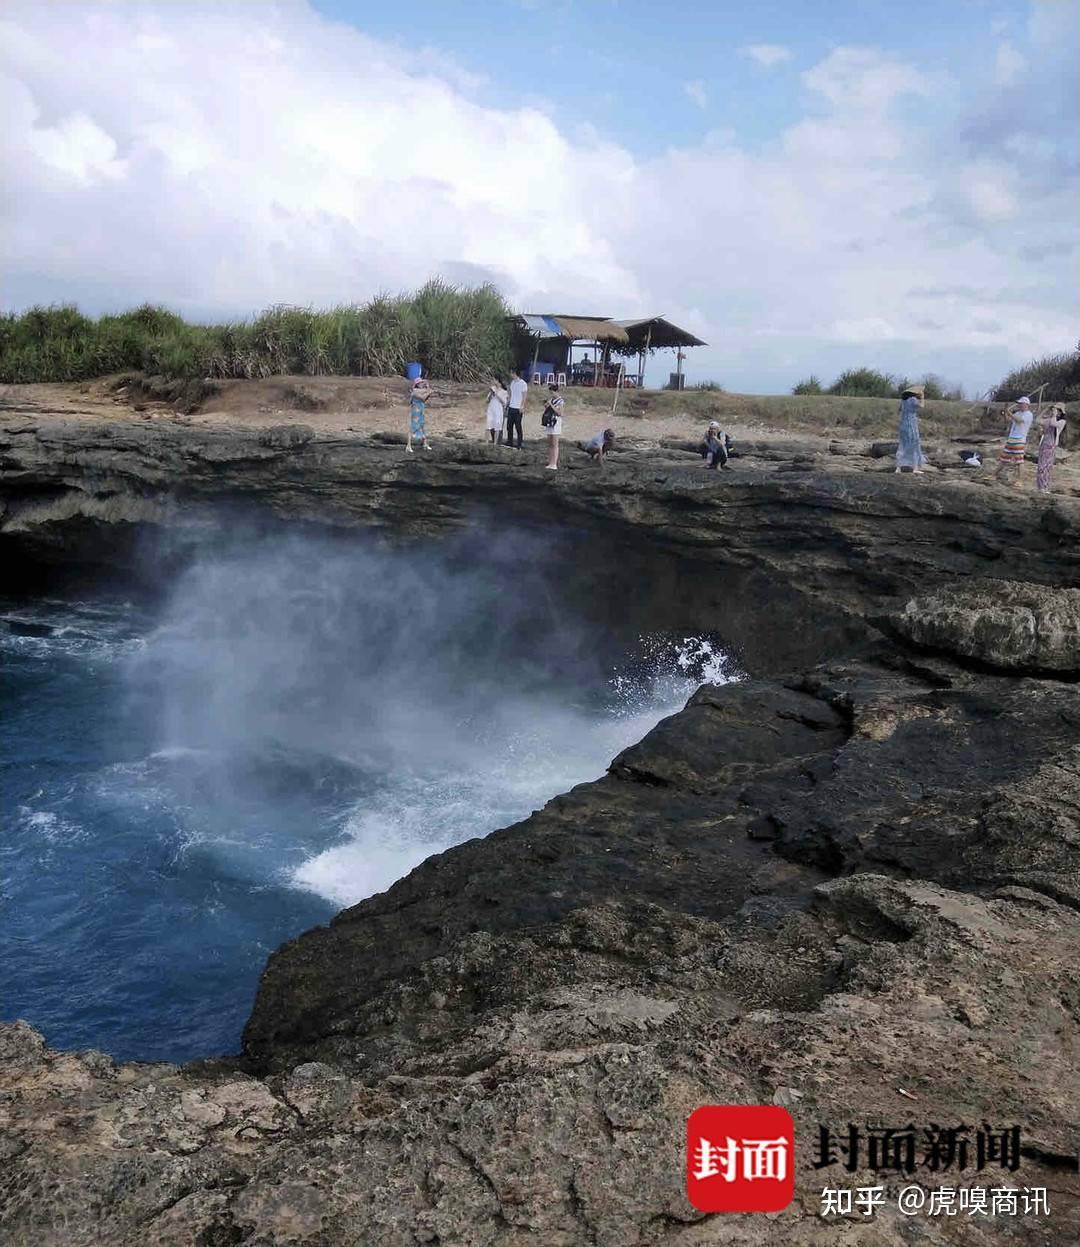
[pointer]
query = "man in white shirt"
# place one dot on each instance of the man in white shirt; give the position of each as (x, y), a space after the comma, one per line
(1012, 453)
(515, 408)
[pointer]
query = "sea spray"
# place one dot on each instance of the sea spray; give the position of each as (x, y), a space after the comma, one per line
(298, 723)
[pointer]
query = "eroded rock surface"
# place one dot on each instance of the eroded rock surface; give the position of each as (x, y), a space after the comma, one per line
(1003, 623)
(827, 537)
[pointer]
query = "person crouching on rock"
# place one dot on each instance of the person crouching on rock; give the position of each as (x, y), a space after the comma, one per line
(599, 445)
(1012, 453)
(714, 448)
(418, 397)
(496, 409)
(909, 451)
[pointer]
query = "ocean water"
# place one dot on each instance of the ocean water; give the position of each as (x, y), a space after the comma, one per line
(186, 784)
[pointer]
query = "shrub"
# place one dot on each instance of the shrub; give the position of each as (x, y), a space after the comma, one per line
(714, 387)
(936, 387)
(808, 385)
(864, 383)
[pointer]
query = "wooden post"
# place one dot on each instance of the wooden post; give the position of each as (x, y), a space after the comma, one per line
(641, 366)
(536, 356)
(618, 387)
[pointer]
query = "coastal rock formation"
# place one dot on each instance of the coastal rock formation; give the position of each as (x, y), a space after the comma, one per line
(848, 884)
(1024, 627)
(504, 1047)
(831, 539)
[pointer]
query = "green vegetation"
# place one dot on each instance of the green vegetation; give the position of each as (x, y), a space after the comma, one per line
(712, 387)
(871, 383)
(456, 334)
(1061, 372)
(808, 385)
(863, 383)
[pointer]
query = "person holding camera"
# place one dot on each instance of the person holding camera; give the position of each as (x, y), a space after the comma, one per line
(551, 423)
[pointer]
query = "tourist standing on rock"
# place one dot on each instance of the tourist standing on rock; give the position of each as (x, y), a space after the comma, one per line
(496, 409)
(551, 422)
(599, 445)
(515, 408)
(909, 451)
(714, 446)
(418, 397)
(1012, 453)
(1052, 426)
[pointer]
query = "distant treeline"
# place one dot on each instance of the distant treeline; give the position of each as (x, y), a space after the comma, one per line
(870, 383)
(456, 334)
(1061, 374)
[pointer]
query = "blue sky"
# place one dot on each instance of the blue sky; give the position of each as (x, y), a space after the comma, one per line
(623, 65)
(806, 185)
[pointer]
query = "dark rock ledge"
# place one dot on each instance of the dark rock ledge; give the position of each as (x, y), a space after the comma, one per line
(854, 874)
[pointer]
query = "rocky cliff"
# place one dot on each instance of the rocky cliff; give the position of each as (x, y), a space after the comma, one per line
(849, 884)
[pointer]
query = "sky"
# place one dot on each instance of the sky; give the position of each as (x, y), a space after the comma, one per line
(807, 185)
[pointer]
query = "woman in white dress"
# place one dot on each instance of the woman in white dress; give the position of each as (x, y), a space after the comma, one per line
(496, 409)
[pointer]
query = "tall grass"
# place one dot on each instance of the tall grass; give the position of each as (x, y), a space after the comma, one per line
(456, 334)
(1061, 372)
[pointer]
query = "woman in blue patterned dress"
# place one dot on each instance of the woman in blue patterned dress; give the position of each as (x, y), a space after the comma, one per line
(418, 396)
(909, 452)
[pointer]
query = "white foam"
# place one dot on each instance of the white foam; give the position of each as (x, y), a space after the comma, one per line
(51, 827)
(536, 752)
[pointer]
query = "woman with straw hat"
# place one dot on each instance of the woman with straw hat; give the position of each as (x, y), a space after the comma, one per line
(1012, 453)
(1052, 426)
(909, 452)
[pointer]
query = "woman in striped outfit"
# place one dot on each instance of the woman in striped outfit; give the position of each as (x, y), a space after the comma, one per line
(1012, 453)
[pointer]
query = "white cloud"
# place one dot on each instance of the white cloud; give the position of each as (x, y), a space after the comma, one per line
(992, 189)
(696, 91)
(766, 54)
(1009, 65)
(863, 80)
(169, 153)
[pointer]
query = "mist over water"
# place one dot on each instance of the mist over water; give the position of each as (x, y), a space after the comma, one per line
(296, 726)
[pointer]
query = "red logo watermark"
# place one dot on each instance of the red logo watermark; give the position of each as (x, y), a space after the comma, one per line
(740, 1158)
